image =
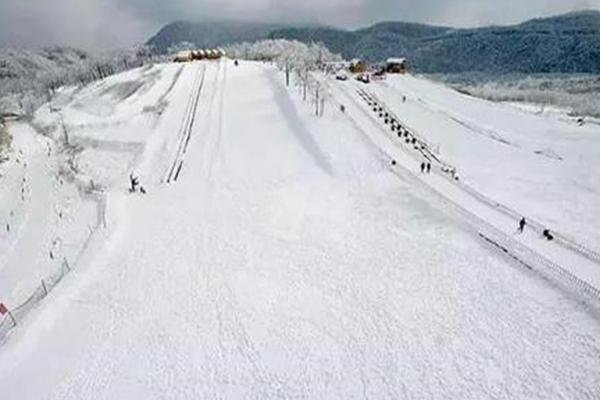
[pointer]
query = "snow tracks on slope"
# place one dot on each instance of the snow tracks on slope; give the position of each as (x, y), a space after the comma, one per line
(187, 125)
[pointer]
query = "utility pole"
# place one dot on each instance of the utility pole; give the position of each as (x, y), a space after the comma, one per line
(64, 129)
(317, 100)
(304, 83)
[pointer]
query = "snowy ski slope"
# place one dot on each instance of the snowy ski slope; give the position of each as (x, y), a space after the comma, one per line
(540, 165)
(284, 258)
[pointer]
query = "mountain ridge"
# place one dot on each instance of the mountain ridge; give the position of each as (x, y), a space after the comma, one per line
(568, 43)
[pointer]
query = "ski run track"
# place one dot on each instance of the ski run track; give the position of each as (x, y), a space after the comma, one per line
(282, 255)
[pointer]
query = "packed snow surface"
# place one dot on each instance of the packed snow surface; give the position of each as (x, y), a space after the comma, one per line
(542, 166)
(285, 261)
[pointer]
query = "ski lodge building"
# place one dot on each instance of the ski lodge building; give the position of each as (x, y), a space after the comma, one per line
(201, 54)
(396, 66)
(358, 66)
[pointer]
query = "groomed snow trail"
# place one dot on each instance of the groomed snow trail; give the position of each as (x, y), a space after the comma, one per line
(287, 261)
(562, 260)
(540, 165)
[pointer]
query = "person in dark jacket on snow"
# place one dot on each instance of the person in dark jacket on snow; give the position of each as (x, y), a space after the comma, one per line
(422, 167)
(133, 183)
(522, 224)
(549, 236)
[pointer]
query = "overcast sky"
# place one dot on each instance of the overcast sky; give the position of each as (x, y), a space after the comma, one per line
(102, 24)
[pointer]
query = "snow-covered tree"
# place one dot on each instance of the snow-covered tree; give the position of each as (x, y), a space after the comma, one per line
(578, 94)
(291, 53)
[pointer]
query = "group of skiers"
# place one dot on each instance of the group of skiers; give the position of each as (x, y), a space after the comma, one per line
(425, 167)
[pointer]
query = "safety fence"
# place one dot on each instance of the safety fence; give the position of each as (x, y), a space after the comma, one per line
(503, 242)
(14, 316)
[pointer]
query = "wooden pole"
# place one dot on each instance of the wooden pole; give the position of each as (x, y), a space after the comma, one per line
(304, 87)
(287, 74)
(317, 101)
(66, 264)
(13, 318)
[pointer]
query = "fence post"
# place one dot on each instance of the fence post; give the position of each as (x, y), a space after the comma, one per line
(45, 288)
(317, 100)
(12, 317)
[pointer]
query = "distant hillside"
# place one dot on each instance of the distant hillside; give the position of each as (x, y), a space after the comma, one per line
(209, 34)
(566, 43)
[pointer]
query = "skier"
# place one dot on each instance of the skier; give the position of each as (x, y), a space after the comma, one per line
(548, 235)
(422, 167)
(134, 181)
(522, 224)
(428, 167)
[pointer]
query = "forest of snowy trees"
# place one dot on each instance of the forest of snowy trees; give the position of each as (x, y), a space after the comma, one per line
(578, 94)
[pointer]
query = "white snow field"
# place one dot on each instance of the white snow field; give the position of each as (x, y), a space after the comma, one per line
(283, 258)
(542, 166)
(42, 216)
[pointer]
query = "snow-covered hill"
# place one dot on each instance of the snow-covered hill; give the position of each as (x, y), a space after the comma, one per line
(28, 77)
(541, 165)
(279, 254)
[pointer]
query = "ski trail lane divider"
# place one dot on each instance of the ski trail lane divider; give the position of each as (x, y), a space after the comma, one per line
(187, 125)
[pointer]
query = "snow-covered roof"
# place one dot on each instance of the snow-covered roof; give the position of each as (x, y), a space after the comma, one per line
(396, 60)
